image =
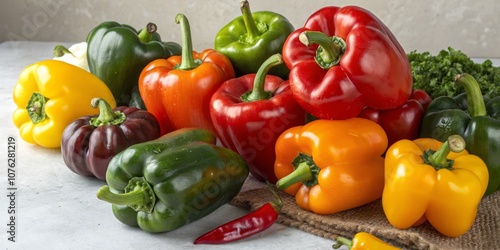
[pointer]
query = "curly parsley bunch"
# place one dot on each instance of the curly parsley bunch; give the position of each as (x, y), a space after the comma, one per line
(436, 74)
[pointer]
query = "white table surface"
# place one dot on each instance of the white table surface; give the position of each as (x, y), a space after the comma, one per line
(58, 209)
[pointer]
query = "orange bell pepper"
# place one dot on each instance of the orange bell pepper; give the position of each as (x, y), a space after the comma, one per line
(429, 180)
(332, 165)
(177, 90)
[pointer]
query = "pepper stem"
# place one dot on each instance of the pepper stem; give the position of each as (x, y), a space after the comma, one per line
(252, 29)
(60, 50)
(330, 49)
(342, 241)
(258, 92)
(106, 114)
(36, 107)
(278, 202)
(438, 160)
(147, 34)
(187, 62)
(475, 100)
(305, 171)
(301, 173)
(138, 195)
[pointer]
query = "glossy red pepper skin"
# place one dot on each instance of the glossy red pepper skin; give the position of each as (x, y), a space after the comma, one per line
(240, 228)
(252, 223)
(402, 122)
(252, 128)
(422, 97)
(372, 72)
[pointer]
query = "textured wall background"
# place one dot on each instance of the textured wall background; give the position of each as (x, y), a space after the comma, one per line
(430, 25)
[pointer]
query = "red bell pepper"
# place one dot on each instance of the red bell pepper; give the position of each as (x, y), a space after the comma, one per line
(346, 59)
(177, 90)
(402, 122)
(250, 113)
(422, 97)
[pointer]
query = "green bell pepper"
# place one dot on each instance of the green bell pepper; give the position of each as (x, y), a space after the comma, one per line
(250, 39)
(117, 53)
(169, 182)
(136, 99)
(472, 116)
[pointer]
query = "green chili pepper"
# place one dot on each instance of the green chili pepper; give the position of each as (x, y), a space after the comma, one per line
(169, 182)
(248, 40)
(117, 53)
(472, 116)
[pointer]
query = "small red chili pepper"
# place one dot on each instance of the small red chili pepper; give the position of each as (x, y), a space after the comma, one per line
(245, 226)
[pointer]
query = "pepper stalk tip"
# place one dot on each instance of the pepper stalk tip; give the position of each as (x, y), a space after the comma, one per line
(60, 50)
(304, 39)
(456, 143)
(151, 28)
(179, 17)
(459, 76)
(95, 102)
(244, 4)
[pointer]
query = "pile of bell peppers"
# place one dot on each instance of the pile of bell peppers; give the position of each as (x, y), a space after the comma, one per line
(472, 116)
(326, 112)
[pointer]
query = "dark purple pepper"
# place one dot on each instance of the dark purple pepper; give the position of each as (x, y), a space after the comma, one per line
(89, 143)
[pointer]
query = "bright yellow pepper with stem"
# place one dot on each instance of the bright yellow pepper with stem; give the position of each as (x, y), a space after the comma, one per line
(429, 180)
(364, 241)
(51, 94)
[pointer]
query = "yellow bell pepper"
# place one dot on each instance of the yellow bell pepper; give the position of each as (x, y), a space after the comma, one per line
(429, 180)
(51, 94)
(363, 241)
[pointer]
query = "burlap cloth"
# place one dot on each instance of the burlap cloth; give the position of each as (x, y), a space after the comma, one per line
(484, 234)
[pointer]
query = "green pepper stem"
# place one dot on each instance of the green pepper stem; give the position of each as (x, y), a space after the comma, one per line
(301, 173)
(258, 92)
(187, 62)
(330, 49)
(278, 202)
(475, 100)
(252, 30)
(60, 50)
(106, 114)
(36, 107)
(138, 195)
(147, 34)
(132, 198)
(342, 241)
(438, 160)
